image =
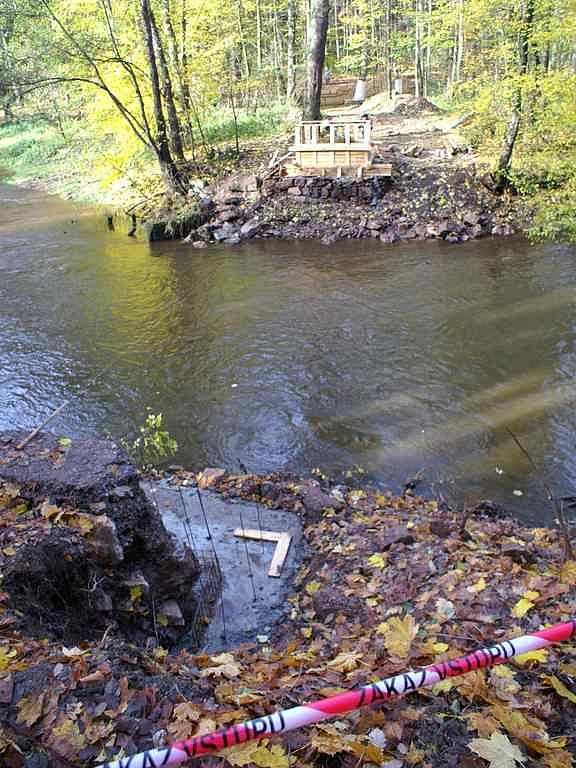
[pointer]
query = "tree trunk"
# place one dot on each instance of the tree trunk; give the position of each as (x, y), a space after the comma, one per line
(389, 61)
(258, 35)
(239, 16)
(418, 53)
(501, 175)
(290, 69)
(175, 60)
(319, 14)
(167, 94)
(172, 176)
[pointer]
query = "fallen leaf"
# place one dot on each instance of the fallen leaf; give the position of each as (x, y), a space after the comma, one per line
(568, 573)
(312, 587)
(559, 759)
(483, 723)
(529, 731)
(399, 635)
(6, 657)
(30, 709)
(183, 716)
(532, 657)
(498, 750)
(377, 561)
(560, 688)
(480, 586)
(444, 609)
(525, 604)
(9, 551)
(345, 662)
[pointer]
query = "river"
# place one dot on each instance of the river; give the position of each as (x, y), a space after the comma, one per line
(404, 359)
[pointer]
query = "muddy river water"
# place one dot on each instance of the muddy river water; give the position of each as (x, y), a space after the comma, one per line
(404, 359)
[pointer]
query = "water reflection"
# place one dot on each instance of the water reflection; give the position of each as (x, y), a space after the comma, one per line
(295, 355)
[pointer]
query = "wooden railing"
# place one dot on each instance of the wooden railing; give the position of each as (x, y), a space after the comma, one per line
(318, 134)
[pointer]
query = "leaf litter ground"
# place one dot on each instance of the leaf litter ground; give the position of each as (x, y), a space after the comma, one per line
(389, 583)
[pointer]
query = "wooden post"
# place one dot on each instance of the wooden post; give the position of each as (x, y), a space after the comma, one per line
(332, 134)
(315, 134)
(347, 134)
(298, 135)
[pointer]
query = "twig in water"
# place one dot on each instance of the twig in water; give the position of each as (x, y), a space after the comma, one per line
(23, 443)
(558, 508)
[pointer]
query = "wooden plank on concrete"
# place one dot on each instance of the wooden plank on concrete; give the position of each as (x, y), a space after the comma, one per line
(250, 533)
(283, 541)
(280, 555)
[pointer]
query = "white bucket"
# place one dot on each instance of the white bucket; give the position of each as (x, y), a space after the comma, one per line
(360, 91)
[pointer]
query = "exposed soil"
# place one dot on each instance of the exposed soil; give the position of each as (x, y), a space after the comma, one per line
(82, 551)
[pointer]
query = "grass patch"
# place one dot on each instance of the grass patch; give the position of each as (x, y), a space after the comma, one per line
(26, 149)
(219, 126)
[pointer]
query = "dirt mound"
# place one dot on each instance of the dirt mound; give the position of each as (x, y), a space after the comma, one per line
(416, 106)
(81, 548)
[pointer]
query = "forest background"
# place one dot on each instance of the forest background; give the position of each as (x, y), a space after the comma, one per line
(117, 96)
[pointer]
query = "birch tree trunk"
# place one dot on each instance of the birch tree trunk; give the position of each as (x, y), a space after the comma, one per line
(418, 53)
(290, 66)
(319, 14)
(258, 35)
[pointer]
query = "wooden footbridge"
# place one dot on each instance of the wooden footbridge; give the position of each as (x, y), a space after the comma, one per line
(333, 148)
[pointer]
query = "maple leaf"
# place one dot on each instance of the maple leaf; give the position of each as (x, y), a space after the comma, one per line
(312, 587)
(183, 717)
(560, 688)
(483, 723)
(498, 750)
(258, 754)
(399, 635)
(345, 662)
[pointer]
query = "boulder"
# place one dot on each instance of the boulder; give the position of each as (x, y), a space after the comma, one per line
(225, 232)
(389, 236)
(250, 228)
(315, 500)
(228, 214)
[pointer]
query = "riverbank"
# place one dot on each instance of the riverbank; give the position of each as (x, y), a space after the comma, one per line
(389, 582)
(437, 190)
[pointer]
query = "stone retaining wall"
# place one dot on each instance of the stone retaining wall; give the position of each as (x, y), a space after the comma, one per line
(318, 188)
